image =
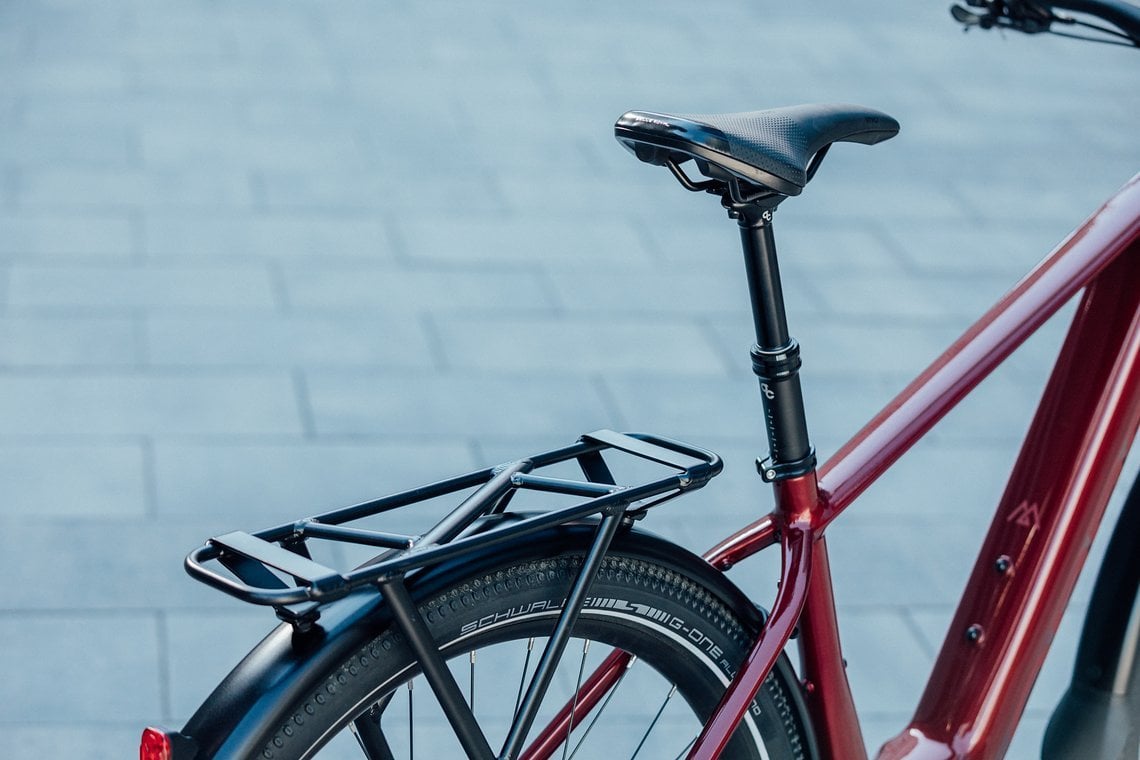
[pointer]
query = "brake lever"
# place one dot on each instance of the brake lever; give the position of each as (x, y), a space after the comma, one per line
(969, 19)
(1018, 15)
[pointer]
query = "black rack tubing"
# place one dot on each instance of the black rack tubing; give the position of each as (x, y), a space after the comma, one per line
(267, 597)
(404, 498)
(461, 482)
(431, 554)
(560, 637)
(564, 454)
(693, 478)
(435, 670)
(610, 439)
(475, 505)
(560, 485)
(310, 529)
(417, 557)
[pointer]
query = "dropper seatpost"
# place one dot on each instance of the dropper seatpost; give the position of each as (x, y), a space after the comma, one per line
(776, 355)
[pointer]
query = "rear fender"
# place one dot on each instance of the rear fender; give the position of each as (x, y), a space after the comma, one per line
(249, 704)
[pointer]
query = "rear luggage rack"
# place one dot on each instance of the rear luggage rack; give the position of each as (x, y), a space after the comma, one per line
(274, 566)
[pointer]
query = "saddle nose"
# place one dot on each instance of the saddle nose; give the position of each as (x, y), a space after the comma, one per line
(772, 148)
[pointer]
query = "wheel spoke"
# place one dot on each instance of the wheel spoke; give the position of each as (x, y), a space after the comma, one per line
(688, 747)
(471, 686)
(577, 688)
(600, 706)
(598, 712)
(411, 724)
(653, 723)
(522, 678)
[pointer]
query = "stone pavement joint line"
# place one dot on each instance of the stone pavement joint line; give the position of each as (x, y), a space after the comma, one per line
(262, 259)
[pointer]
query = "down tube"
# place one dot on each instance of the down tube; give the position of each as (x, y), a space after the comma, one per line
(1041, 533)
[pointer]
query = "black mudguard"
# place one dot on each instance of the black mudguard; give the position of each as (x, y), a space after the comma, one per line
(249, 704)
(1099, 716)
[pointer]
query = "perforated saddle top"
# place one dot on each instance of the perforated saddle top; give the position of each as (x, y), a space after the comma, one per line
(772, 148)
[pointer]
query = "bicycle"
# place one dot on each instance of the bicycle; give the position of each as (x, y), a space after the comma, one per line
(486, 574)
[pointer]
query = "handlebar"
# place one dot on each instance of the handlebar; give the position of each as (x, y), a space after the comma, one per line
(1037, 16)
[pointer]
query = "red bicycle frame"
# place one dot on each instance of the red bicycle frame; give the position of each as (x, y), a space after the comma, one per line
(1036, 545)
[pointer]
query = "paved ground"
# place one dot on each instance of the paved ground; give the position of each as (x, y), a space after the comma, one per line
(257, 258)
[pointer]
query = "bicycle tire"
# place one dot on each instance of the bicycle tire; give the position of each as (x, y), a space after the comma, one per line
(688, 636)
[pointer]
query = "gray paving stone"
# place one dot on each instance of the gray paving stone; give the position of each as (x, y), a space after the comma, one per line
(46, 480)
(179, 146)
(124, 41)
(65, 342)
(1009, 405)
(450, 404)
(378, 190)
(971, 481)
(391, 341)
(919, 561)
(146, 403)
(556, 241)
(128, 111)
(939, 300)
(100, 742)
(655, 197)
(286, 167)
(335, 111)
(704, 242)
(287, 74)
(1011, 248)
(1062, 208)
(114, 567)
(730, 408)
(209, 644)
(836, 249)
(69, 77)
(276, 483)
(97, 146)
(583, 345)
(28, 234)
(885, 679)
(848, 196)
(887, 347)
(91, 664)
(655, 291)
(90, 189)
(278, 236)
(362, 291)
(158, 287)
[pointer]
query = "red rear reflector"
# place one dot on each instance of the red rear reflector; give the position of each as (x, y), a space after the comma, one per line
(155, 745)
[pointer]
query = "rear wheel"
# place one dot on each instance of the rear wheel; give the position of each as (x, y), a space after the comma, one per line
(686, 643)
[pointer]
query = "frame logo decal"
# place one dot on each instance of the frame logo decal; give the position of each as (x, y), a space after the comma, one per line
(1027, 514)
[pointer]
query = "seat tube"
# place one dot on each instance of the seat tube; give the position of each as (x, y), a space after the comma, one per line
(775, 355)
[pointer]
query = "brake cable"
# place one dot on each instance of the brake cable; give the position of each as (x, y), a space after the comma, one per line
(1031, 18)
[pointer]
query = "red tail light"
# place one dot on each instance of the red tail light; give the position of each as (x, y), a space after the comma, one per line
(155, 745)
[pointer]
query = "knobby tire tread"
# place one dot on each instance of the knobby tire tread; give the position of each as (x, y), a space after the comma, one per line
(358, 677)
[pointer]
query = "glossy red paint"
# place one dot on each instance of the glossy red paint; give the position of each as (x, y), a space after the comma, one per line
(826, 690)
(908, 417)
(744, 543)
(593, 691)
(796, 513)
(1044, 524)
(1076, 448)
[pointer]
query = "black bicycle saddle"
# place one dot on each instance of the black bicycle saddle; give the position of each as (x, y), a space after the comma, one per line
(773, 148)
